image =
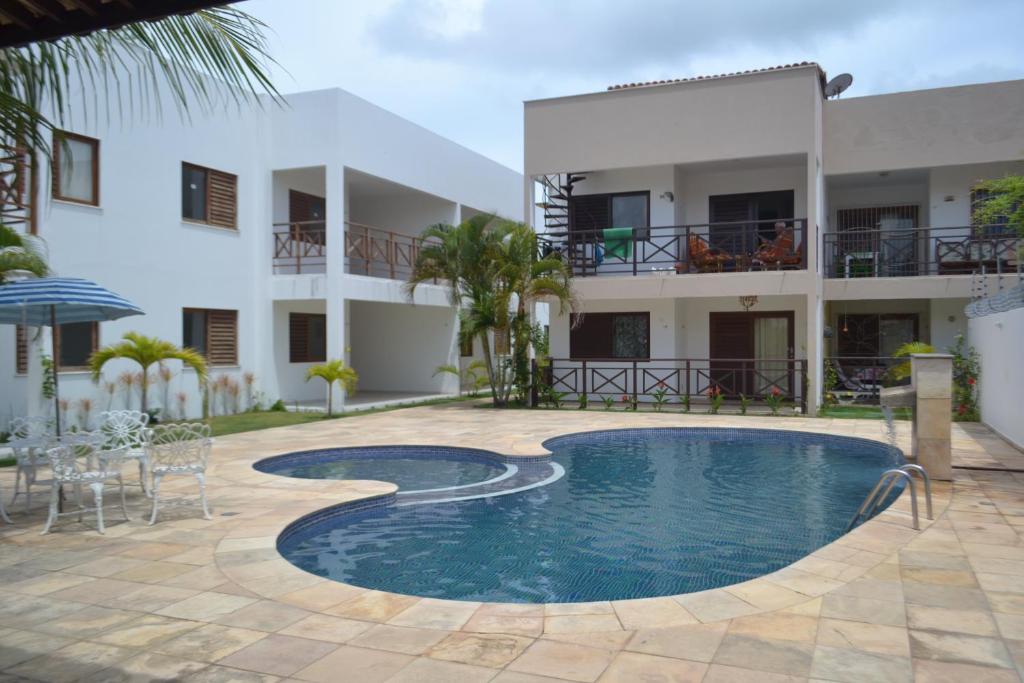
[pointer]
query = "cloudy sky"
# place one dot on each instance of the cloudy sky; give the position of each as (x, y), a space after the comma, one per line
(463, 67)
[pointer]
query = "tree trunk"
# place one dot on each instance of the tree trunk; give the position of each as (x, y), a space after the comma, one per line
(330, 398)
(489, 362)
(144, 386)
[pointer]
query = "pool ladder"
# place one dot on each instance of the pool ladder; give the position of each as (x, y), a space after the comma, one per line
(879, 494)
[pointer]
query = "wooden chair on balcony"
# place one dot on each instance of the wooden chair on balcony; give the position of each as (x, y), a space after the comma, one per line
(703, 257)
(779, 252)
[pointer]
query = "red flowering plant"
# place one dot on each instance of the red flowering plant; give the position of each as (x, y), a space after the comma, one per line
(966, 370)
(660, 396)
(773, 397)
(630, 401)
(716, 397)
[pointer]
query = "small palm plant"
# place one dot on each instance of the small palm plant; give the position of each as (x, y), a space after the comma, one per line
(902, 371)
(146, 351)
(334, 371)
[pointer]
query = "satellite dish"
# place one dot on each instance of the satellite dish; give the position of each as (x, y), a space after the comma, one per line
(837, 85)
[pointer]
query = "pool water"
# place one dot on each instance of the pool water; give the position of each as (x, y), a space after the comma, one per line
(639, 513)
(410, 467)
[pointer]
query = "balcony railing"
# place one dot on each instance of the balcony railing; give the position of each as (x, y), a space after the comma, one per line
(380, 253)
(696, 378)
(859, 379)
(964, 250)
(705, 248)
(300, 247)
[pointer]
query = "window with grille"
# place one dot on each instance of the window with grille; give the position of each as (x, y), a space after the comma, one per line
(611, 335)
(307, 337)
(213, 333)
(901, 217)
(209, 196)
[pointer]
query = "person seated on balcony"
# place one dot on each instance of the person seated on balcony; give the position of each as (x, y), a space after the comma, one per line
(703, 257)
(779, 252)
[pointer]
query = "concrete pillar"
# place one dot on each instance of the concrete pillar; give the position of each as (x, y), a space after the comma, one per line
(335, 250)
(932, 381)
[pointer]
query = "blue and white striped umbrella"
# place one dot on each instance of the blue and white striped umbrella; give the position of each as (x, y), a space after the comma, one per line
(60, 300)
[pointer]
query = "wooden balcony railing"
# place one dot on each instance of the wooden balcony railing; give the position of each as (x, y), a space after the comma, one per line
(697, 378)
(705, 248)
(300, 247)
(893, 252)
(380, 253)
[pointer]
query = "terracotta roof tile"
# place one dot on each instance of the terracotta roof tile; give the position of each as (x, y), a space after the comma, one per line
(781, 67)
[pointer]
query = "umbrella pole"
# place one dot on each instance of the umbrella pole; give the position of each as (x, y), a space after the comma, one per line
(56, 389)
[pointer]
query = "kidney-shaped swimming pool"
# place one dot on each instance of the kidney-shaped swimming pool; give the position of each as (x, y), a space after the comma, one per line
(639, 513)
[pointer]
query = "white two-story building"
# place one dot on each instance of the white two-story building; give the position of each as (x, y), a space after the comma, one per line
(267, 237)
(734, 232)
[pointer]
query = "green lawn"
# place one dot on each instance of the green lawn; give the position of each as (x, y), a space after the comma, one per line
(863, 412)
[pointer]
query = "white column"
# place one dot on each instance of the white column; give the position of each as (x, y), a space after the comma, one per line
(815, 292)
(335, 250)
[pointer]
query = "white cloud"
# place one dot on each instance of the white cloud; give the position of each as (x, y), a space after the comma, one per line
(463, 67)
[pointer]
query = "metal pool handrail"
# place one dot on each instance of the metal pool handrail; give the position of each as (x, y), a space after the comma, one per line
(875, 498)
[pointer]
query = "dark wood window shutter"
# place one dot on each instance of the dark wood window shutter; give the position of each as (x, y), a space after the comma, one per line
(594, 335)
(307, 337)
(222, 205)
(222, 337)
(589, 212)
(21, 349)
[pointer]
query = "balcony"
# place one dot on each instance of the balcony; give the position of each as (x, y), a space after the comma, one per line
(705, 248)
(301, 248)
(963, 250)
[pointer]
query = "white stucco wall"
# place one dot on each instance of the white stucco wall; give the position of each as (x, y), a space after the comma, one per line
(997, 338)
(945, 126)
(397, 347)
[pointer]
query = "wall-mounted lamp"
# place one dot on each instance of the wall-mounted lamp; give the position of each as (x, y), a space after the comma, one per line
(667, 196)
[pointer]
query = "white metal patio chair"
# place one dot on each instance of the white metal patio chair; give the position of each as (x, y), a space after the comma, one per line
(80, 461)
(30, 437)
(126, 429)
(182, 448)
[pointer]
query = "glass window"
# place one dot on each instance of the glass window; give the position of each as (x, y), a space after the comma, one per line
(77, 342)
(193, 193)
(194, 330)
(630, 336)
(629, 211)
(610, 335)
(76, 159)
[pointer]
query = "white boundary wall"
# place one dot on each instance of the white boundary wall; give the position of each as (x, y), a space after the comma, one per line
(997, 338)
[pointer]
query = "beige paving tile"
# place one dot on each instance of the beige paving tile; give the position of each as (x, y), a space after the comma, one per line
(976, 622)
(697, 642)
(498, 623)
(884, 612)
(1008, 603)
(264, 615)
(146, 631)
(206, 606)
(209, 642)
(358, 664)
(959, 647)
(71, 663)
(223, 674)
(19, 646)
(152, 572)
(437, 614)
(146, 667)
(1003, 583)
(762, 654)
(651, 613)
(855, 635)
(484, 649)
(926, 671)
(410, 641)
(582, 623)
(321, 596)
(570, 608)
(326, 627)
(280, 655)
(434, 671)
(605, 640)
(628, 667)
(766, 595)
(373, 606)
(854, 666)
(563, 660)
(86, 623)
(1011, 626)
(719, 673)
(951, 597)
(715, 605)
(147, 598)
(517, 677)
(944, 577)
(777, 625)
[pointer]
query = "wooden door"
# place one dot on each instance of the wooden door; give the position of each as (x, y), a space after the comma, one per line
(736, 364)
(308, 213)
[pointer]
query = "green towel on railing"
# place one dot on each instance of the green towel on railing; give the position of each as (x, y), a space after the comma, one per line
(618, 243)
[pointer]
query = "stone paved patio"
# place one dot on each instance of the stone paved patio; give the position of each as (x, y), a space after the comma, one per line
(196, 600)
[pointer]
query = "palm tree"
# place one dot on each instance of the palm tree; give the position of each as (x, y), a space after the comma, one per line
(147, 351)
(21, 254)
(334, 371)
(494, 277)
(208, 57)
(902, 371)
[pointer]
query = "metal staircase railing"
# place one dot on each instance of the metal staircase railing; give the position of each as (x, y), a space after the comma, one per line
(881, 491)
